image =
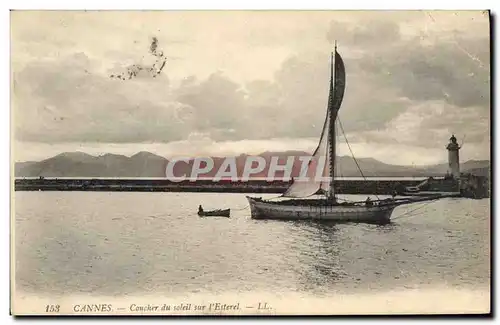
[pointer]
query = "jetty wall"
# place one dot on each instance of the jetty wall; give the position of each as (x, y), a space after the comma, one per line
(227, 186)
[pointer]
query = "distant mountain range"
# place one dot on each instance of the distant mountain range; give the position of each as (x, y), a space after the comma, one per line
(146, 164)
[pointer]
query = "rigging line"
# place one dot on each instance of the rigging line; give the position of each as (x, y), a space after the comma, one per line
(242, 208)
(352, 153)
(322, 134)
(414, 215)
(418, 208)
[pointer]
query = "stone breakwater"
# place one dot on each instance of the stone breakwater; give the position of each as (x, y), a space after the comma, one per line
(360, 186)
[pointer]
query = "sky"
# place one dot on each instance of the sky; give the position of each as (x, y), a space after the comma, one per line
(247, 82)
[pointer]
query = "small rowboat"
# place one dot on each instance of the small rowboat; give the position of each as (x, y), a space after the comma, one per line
(215, 213)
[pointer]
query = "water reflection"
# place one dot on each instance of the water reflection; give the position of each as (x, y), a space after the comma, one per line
(105, 243)
(318, 255)
(322, 250)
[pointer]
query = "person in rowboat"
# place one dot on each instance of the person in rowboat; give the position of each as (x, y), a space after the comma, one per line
(200, 209)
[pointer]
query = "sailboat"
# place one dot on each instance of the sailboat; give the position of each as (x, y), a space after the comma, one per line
(300, 206)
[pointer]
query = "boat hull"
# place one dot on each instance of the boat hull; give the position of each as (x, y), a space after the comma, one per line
(339, 213)
(216, 213)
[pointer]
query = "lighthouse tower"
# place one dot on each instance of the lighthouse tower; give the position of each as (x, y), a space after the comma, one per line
(453, 158)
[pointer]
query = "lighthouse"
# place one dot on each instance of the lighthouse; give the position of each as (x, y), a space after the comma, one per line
(453, 158)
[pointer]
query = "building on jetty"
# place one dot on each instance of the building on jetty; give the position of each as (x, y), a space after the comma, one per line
(467, 184)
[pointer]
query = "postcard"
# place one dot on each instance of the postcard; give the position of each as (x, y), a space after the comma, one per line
(250, 162)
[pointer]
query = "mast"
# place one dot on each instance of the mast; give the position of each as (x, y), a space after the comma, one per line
(327, 142)
(331, 132)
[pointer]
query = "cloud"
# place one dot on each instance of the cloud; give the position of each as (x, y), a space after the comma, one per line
(364, 35)
(440, 118)
(410, 79)
(441, 71)
(67, 100)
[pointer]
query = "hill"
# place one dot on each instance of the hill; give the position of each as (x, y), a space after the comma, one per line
(146, 164)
